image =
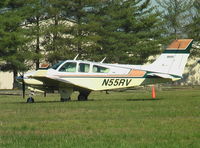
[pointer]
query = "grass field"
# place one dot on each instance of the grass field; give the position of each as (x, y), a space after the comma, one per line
(118, 120)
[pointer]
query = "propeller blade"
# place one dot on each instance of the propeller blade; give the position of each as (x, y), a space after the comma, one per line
(23, 87)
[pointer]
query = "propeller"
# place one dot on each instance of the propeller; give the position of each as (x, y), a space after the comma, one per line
(23, 87)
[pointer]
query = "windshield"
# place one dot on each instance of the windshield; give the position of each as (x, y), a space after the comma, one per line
(57, 65)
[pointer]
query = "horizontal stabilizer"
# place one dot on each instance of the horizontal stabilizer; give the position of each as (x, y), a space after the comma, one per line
(166, 76)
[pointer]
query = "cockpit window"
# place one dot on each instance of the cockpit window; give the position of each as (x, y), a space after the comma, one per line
(68, 67)
(57, 65)
(99, 69)
(84, 67)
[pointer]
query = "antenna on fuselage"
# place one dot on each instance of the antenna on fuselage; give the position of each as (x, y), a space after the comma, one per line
(103, 60)
(76, 56)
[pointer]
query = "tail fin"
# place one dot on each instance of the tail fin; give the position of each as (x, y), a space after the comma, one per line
(173, 60)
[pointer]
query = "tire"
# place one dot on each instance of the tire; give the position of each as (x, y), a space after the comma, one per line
(30, 100)
(82, 97)
(65, 99)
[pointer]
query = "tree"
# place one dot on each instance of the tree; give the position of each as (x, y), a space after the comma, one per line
(12, 39)
(35, 16)
(67, 29)
(123, 31)
(176, 13)
(130, 31)
(82, 35)
(55, 37)
(193, 28)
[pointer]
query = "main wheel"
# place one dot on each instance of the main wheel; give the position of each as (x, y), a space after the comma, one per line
(82, 97)
(30, 100)
(65, 99)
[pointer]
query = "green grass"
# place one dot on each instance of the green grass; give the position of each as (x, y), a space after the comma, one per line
(118, 120)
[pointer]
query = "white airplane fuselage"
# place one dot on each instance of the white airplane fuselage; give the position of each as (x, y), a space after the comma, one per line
(118, 76)
(86, 76)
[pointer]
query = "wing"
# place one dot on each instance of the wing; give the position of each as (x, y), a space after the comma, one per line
(56, 82)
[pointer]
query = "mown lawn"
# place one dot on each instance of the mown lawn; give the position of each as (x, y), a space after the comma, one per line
(117, 120)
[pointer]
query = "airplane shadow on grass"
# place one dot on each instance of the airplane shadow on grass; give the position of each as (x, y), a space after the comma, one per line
(89, 100)
(144, 99)
(95, 100)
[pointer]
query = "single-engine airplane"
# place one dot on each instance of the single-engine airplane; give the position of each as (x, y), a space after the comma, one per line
(85, 76)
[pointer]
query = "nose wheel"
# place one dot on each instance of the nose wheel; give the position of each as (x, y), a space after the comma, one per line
(30, 100)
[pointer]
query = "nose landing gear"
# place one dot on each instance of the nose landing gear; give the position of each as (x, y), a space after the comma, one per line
(30, 98)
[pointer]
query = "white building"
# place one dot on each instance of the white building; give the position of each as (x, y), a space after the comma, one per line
(191, 74)
(6, 80)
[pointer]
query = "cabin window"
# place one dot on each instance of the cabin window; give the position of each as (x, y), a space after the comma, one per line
(99, 69)
(68, 67)
(84, 67)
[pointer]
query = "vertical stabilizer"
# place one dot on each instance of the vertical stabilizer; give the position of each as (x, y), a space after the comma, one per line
(173, 60)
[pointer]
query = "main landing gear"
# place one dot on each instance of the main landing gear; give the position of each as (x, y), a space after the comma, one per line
(65, 99)
(64, 95)
(83, 96)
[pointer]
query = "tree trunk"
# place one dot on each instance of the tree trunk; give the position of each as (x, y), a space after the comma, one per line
(55, 34)
(14, 79)
(79, 31)
(37, 51)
